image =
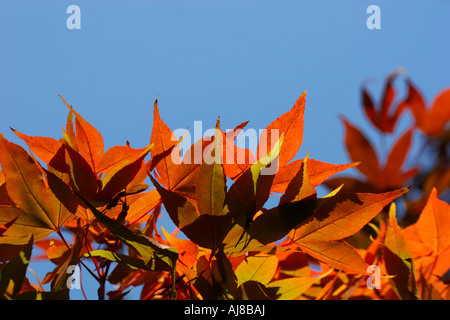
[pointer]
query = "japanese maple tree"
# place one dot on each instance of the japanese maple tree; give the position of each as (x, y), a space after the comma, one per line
(78, 204)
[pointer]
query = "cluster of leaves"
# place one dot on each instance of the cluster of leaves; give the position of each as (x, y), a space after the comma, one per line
(415, 249)
(66, 197)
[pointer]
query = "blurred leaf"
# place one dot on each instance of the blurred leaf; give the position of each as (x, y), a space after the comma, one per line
(382, 117)
(360, 150)
(394, 173)
(433, 120)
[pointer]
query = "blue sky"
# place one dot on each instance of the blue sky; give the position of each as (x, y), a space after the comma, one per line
(240, 60)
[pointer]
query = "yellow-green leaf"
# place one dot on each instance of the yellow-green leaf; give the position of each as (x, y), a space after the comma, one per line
(260, 268)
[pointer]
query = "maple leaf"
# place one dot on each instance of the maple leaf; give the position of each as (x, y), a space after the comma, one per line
(389, 176)
(144, 204)
(297, 204)
(431, 226)
(251, 190)
(393, 173)
(294, 287)
(429, 242)
(4, 197)
(382, 117)
(179, 175)
(336, 254)
(318, 172)
(289, 125)
(45, 148)
(155, 255)
(163, 139)
(84, 156)
(398, 259)
(89, 140)
(236, 247)
(199, 229)
(360, 149)
(337, 218)
(259, 268)
(12, 275)
(187, 250)
(343, 215)
(37, 209)
(431, 121)
(236, 160)
(300, 186)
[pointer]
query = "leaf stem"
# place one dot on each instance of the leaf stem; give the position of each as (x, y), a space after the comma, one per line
(94, 259)
(82, 288)
(63, 239)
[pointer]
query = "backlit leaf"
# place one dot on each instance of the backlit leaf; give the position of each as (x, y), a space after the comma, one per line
(12, 275)
(155, 255)
(300, 186)
(38, 210)
(82, 177)
(435, 215)
(398, 260)
(89, 140)
(163, 139)
(44, 148)
(236, 160)
(259, 268)
(336, 254)
(211, 185)
(187, 250)
(118, 178)
(205, 230)
(276, 223)
(293, 287)
(290, 125)
(343, 215)
(317, 172)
